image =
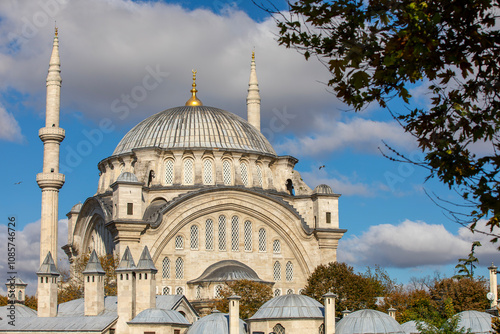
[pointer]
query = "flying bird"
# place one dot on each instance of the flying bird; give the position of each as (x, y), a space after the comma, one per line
(321, 167)
(19, 182)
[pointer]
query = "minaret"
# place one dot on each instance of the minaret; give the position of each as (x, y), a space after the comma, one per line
(253, 98)
(50, 180)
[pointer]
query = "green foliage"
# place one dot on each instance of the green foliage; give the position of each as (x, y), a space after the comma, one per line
(495, 325)
(464, 264)
(253, 296)
(374, 49)
(450, 326)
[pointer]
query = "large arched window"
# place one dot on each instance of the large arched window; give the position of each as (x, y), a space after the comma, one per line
(179, 268)
(248, 236)
(235, 234)
(209, 234)
(227, 174)
(208, 177)
(165, 268)
(277, 271)
(279, 329)
(188, 171)
(222, 233)
(194, 237)
(179, 242)
(262, 240)
(244, 173)
(276, 246)
(169, 172)
(259, 176)
(289, 271)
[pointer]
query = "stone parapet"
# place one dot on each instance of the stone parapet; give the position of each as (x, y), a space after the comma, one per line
(51, 133)
(50, 180)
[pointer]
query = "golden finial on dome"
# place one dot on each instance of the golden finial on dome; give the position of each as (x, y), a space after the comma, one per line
(253, 55)
(56, 31)
(193, 101)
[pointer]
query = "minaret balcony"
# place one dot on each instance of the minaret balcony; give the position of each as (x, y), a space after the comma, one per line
(50, 180)
(51, 133)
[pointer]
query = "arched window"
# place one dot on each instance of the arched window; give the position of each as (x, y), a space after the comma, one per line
(259, 176)
(277, 271)
(321, 329)
(166, 290)
(289, 292)
(165, 273)
(289, 187)
(208, 172)
(179, 242)
(277, 292)
(248, 236)
(289, 271)
(169, 172)
(300, 291)
(235, 234)
(276, 246)
(194, 237)
(209, 234)
(222, 233)
(179, 290)
(217, 291)
(227, 173)
(279, 329)
(262, 240)
(188, 171)
(198, 292)
(244, 173)
(179, 268)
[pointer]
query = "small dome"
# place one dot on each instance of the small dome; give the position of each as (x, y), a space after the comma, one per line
(290, 306)
(227, 270)
(368, 321)
(127, 177)
(77, 207)
(159, 316)
(478, 322)
(410, 327)
(323, 189)
(216, 322)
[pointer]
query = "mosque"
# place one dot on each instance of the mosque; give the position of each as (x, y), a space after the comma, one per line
(192, 197)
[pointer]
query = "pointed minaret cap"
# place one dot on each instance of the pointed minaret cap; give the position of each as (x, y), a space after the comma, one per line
(194, 101)
(127, 262)
(94, 265)
(145, 262)
(48, 267)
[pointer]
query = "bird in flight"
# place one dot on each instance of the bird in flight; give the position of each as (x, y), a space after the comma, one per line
(19, 182)
(321, 166)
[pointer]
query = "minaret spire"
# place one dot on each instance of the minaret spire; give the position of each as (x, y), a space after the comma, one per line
(50, 180)
(253, 98)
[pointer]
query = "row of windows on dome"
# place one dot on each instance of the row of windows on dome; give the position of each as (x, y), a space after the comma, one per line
(211, 233)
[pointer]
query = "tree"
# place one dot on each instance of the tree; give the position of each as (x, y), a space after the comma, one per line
(354, 291)
(495, 325)
(450, 326)
(253, 296)
(466, 266)
(375, 49)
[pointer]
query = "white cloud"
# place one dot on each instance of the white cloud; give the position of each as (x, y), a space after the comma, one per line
(27, 244)
(9, 128)
(413, 244)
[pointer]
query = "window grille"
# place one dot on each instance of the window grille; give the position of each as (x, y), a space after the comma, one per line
(166, 268)
(194, 237)
(179, 290)
(248, 236)
(218, 289)
(277, 271)
(262, 240)
(198, 292)
(209, 234)
(188, 172)
(289, 292)
(208, 172)
(321, 329)
(179, 242)
(226, 173)
(300, 291)
(169, 172)
(244, 173)
(279, 329)
(222, 233)
(166, 290)
(276, 246)
(289, 271)
(179, 269)
(259, 176)
(277, 292)
(235, 234)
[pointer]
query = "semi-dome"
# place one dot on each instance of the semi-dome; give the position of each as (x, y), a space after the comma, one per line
(195, 127)
(290, 306)
(323, 189)
(477, 322)
(368, 321)
(227, 270)
(216, 322)
(159, 316)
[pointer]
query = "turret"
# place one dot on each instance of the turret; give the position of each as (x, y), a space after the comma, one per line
(145, 282)
(234, 314)
(47, 287)
(93, 276)
(16, 291)
(329, 299)
(253, 97)
(125, 291)
(127, 197)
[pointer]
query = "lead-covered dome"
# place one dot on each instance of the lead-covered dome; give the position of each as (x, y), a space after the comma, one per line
(290, 306)
(199, 127)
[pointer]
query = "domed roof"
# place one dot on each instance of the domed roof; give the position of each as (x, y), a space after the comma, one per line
(198, 127)
(227, 270)
(215, 323)
(368, 321)
(323, 189)
(127, 177)
(159, 316)
(410, 327)
(290, 306)
(478, 322)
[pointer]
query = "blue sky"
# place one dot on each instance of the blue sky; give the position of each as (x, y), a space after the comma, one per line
(108, 47)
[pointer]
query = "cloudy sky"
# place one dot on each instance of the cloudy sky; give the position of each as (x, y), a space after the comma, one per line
(109, 47)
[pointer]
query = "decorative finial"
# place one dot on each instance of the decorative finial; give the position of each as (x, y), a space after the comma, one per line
(193, 101)
(253, 55)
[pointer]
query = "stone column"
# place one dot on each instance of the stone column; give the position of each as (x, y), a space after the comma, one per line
(329, 312)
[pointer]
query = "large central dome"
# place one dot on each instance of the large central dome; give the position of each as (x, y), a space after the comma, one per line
(199, 127)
